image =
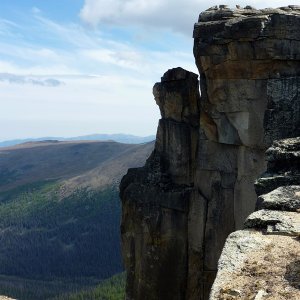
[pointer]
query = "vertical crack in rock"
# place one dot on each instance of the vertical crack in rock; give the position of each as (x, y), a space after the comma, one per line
(197, 186)
(156, 198)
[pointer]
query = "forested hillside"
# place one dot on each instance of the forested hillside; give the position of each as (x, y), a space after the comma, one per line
(110, 289)
(60, 215)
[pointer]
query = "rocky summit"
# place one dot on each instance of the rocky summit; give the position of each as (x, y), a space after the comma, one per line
(197, 186)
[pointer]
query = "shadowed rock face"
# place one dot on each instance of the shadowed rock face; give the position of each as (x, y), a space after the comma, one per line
(156, 197)
(283, 167)
(197, 186)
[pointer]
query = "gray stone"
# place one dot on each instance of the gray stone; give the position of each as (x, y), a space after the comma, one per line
(282, 117)
(254, 261)
(283, 198)
(236, 250)
(284, 151)
(283, 166)
(197, 186)
(273, 221)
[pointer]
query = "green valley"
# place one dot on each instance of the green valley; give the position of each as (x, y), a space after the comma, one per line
(110, 289)
(60, 216)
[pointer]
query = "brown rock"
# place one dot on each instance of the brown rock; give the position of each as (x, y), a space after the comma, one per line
(197, 186)
(156, 198)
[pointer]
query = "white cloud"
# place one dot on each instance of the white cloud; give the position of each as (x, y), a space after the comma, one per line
(177, 15)
(49, 69)
(28, 52)
(129, 59)
(81, 106)
(115, 99)
(71, 33)
(34, 80)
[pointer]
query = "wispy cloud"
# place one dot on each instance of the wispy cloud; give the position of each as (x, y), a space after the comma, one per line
(75, 49)
(71, 33)
(35, 80)
(36, 10)
(6, 27)
(103, 77)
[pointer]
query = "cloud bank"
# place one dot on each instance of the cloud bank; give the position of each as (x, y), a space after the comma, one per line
(176, 15)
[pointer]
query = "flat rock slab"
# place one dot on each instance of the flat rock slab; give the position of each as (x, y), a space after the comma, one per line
(285, 150)
(283, 198)
(275, 222)
(257, 266)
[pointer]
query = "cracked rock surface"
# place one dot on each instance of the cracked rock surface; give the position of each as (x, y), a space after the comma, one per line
(197, 187)
(263, 260)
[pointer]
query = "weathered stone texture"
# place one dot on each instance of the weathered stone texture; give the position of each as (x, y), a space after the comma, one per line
(197, 186)
(283, 198)
(282, 118)
(156, 197)
(283, 166)
(248, 62)
(262, 261)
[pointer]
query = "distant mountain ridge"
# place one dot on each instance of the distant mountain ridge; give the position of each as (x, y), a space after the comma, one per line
(120, 138)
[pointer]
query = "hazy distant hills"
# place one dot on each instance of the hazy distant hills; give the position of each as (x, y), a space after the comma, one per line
(53, 160)
(60, 214)
(121, 138)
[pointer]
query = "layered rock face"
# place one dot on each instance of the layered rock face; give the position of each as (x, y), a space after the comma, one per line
(197, 186)
(249, 64)
(263, 260)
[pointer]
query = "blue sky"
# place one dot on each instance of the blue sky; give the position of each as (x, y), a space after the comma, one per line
(75, 67)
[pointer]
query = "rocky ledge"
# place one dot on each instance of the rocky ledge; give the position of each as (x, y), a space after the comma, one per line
(263, 260)
(197, 187)
(283, 166)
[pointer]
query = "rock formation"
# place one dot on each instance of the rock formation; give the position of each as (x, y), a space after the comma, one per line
(263, 260)
(156, 197)
(197, 186)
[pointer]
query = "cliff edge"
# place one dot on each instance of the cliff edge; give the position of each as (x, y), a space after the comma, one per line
(197, 186)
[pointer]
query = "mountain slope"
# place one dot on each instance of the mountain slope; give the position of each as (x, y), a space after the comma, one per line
(110, 289)
(59, 213)
(47, 160)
